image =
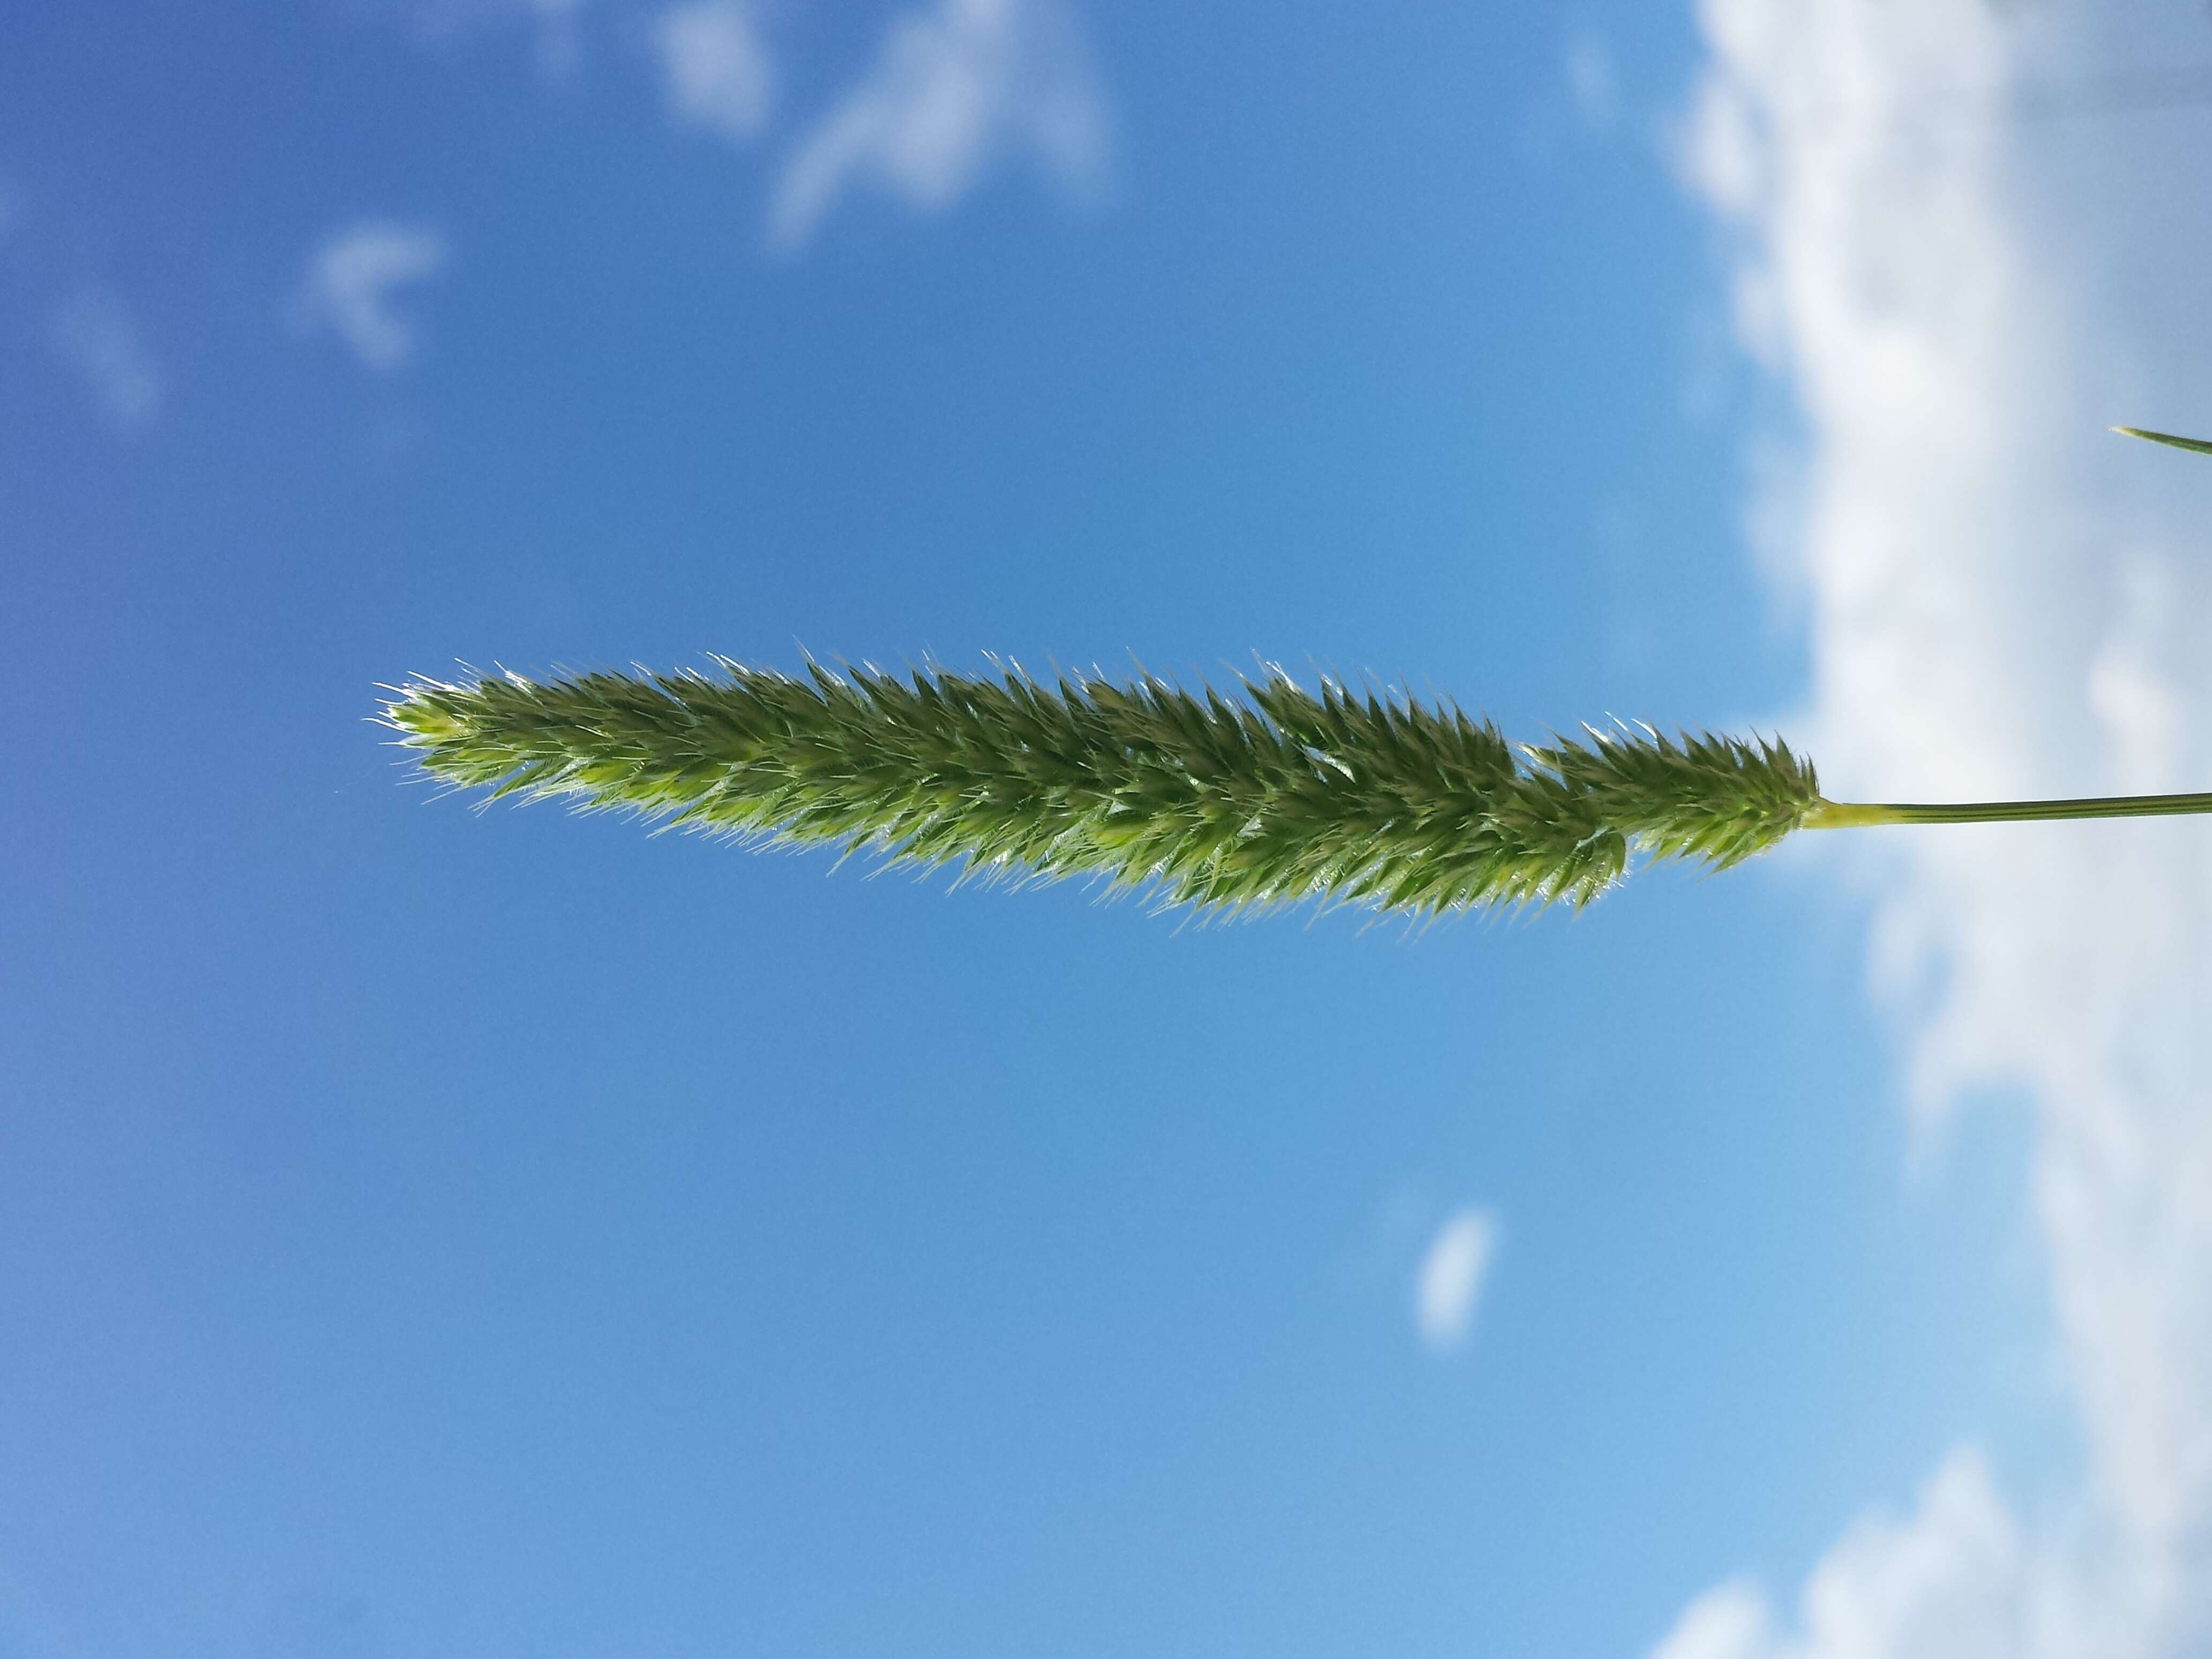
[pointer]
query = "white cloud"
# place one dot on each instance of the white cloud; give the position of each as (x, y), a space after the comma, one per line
(1952, 1581)
(96, 334)
(952, 92)
(716, 71)
(1449, 1282)
(350, 283)
(1729, 1621)
(2004, 600)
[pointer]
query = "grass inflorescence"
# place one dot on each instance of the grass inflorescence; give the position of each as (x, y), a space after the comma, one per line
(1266, 799)
(1270, 797)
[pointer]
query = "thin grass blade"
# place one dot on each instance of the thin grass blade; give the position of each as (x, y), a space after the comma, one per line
(2197, 445)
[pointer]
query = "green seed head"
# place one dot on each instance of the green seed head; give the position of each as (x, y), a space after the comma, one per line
(1264, 800)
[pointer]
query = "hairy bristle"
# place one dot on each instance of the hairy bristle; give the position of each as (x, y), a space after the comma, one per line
(1269, 799)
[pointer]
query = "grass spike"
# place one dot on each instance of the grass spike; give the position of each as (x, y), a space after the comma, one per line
(1261, 797)
(1278, 796)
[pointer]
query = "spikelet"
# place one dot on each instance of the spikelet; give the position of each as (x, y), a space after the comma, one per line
(1267, 800)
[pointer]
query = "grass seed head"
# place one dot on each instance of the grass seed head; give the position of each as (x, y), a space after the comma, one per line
(1265, 799)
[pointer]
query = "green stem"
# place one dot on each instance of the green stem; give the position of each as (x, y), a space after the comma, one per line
(1846, 815)
(2196, 444)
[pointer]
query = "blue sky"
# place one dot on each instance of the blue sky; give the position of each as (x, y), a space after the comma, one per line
(424, 1232)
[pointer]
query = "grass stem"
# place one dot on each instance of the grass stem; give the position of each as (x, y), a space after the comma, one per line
(2197, 445)
(1849, 815)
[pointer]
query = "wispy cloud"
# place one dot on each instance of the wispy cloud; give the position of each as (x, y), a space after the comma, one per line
(2003, 599)
(952, 93)
(560, 46)
(1449, 1282)
(557, 26)
(715, 68)
(350, 282)
(96, 334)
(1593, 82)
